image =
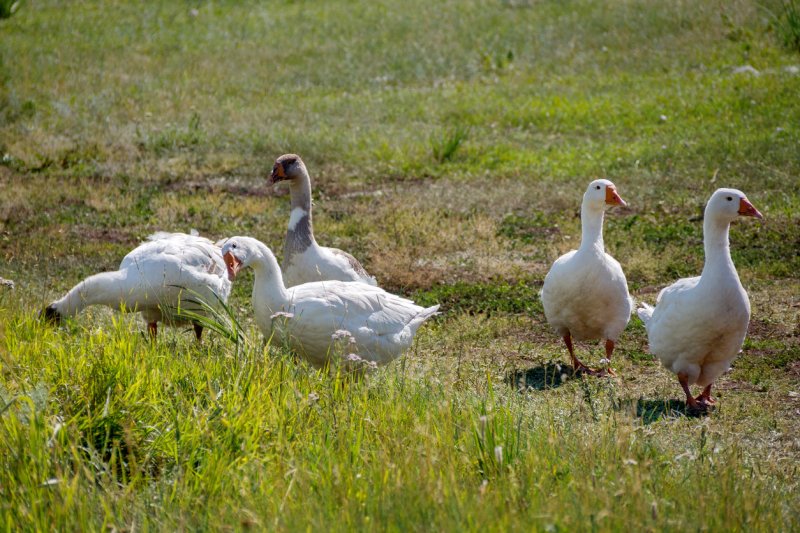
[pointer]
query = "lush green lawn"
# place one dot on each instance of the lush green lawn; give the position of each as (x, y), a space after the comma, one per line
(118, 119)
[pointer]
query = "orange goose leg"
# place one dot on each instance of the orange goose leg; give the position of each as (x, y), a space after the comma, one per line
(577, 366)
(609, 351)
(691, 403)
(705, 398)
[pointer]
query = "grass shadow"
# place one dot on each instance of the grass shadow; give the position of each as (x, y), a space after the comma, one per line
(654, 410)
(542, 377)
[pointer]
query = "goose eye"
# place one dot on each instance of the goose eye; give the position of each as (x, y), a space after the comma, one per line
(730, 198)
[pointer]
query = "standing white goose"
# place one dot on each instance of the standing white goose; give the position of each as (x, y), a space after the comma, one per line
(585, 294)
(381, 325)
(303, 259)
(699, 324)
(170, 272)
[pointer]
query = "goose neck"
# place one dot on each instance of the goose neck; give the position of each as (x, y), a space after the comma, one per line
(592, 228)
(74, 301)
(300, 224)
(268, 278)
(717, 248)
(105, 288)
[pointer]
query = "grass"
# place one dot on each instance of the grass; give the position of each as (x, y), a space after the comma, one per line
(788, 24)
(449, 144)
(445, 146)
(8, 8)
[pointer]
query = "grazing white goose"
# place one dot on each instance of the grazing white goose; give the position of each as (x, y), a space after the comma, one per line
(303, 259)
(167, 273)
(699, 324)
(381, 325)
(585, 294)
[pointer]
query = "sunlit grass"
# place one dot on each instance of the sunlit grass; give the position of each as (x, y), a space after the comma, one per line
(105, 415)
(448, 143)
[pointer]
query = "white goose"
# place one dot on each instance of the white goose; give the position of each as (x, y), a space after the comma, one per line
(699, 324)
(381, 325)
(168, 273)
(303, 259)
(585, 294)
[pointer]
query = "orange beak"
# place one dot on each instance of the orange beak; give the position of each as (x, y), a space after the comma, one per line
(233, 264)
(612, 198)
(277, 174)
(746, 209)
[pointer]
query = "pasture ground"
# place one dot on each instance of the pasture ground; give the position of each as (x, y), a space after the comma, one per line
(449, 143)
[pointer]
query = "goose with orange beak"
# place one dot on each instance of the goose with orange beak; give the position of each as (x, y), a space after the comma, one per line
(699, 324)
(310, 317)
(585, 294)
(232, 264)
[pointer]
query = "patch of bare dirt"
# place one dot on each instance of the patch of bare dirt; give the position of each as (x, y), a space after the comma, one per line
(111, 235)
(650, 289)
(761, 329)
(229, 185)
(794, 369)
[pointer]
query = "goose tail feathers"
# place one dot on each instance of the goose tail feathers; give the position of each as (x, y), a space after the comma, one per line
(645, 312)
(423, 315)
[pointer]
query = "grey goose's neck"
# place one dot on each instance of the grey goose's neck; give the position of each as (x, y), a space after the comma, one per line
(300, 233)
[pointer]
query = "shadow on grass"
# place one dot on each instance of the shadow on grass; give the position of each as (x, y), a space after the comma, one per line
(654, 410)
(542, 377)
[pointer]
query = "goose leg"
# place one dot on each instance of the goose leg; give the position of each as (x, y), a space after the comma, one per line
(691, 403)
(577, 366)
(609, 352)
(152, 329)
(198, 331)
(705, 398)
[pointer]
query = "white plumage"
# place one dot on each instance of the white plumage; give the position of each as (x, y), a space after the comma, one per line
(699, 324)
(167, 273)
(318, 263)
(375, 325)
(585, 293)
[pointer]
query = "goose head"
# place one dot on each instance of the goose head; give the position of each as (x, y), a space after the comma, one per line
(602, 194)
(726, 205)
(51, 315)
(239, 253)
(288, 167)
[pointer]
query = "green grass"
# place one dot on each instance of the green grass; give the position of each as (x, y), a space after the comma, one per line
(445, 146)
(102, 427)
(788, 24)
(8, 8)
(449, 144)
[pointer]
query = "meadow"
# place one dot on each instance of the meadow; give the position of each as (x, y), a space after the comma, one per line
(449, 144)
